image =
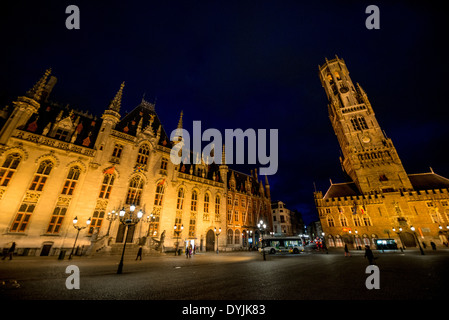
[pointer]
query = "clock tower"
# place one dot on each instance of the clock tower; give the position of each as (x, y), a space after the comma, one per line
(368, 156)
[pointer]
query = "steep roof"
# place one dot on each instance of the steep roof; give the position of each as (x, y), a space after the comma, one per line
(145, 116)
(345, 189)
(419, 181)
(428, 181)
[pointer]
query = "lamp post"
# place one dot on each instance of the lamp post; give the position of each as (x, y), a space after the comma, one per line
(127, 221)
(79, 228)
(217, 234)
(399, 235)
(177, 236)
(112, 216)
(416, 237)
(262, 227)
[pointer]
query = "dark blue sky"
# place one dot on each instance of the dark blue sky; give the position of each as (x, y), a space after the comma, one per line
(245, 64)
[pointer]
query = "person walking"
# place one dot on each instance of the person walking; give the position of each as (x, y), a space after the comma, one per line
(10, 251)
(347, 254)
(139, 253)
(369, 255)
(190, 250)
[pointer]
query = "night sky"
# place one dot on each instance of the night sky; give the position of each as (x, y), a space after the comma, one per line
(245, 64)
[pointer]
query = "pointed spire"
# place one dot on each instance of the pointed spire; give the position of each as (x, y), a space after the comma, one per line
(117, 101)
(180, 120)
(36, 91)
(223, 156)
(266, 181)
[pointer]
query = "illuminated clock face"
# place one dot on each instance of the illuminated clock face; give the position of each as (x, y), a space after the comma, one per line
(344, 89)
(366, 139)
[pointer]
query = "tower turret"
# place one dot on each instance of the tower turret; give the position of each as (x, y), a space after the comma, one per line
(24, 108)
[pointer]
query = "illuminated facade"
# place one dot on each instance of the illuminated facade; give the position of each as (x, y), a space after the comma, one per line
(381, 200)
(58, 163)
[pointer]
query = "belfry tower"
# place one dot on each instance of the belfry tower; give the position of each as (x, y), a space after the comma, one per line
(368, 157)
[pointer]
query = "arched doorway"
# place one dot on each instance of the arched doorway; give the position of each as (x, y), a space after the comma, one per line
(210, 241)
(408, 239)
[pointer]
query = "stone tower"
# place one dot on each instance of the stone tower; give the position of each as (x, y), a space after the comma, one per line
(369, 157)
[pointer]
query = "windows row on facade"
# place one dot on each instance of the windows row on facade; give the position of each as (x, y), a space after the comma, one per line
(133, 196)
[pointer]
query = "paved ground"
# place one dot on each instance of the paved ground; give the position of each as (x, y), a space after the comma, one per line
(230, 276)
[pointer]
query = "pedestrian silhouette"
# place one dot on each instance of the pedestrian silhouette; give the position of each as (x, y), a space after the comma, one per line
(139, 253)
(369, 255)
(347, 254)
(10, 251)
(434, 247)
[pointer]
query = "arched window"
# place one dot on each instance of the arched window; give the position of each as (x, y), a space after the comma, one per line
(217, 204)
(97, 219)
(194, 202)
(106, 186)
(237, 237)
(230, 235)
(40, 178)
(180, 202)
(23, 217)
(9, 168)
(71, 180)
(56, 220)
(330, 241)
(357, 221)
(206, 202)
(343, 221)
(143, 155)
(366, 220)
(159, 194)
(135, 191)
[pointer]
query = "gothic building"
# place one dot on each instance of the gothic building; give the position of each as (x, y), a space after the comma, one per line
(58, 164)
(380, 200)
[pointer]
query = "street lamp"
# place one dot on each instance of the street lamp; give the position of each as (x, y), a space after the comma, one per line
(112, 216)
(399, 235)
(217, 234)
(177, 236)
(262, 227)
(416, 237)
(79, 228)
(128, 220)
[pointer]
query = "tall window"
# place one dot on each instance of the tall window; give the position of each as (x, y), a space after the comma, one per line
(343, 221)
(106, 187)
(159, 195)
(236, 237)
(23, 217)
(41, 175)
(134, 191)
(97, 220)
(71, 180)
(192, 226)
(366, 220)
(230, 235)
(9, 168)
(194, 203)
(56, 219)
(143, 155)
(217, 204)
(164, 163)
(180, 201)
(206, 202)
(330, 221)
(357, 222)
(117, 152)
